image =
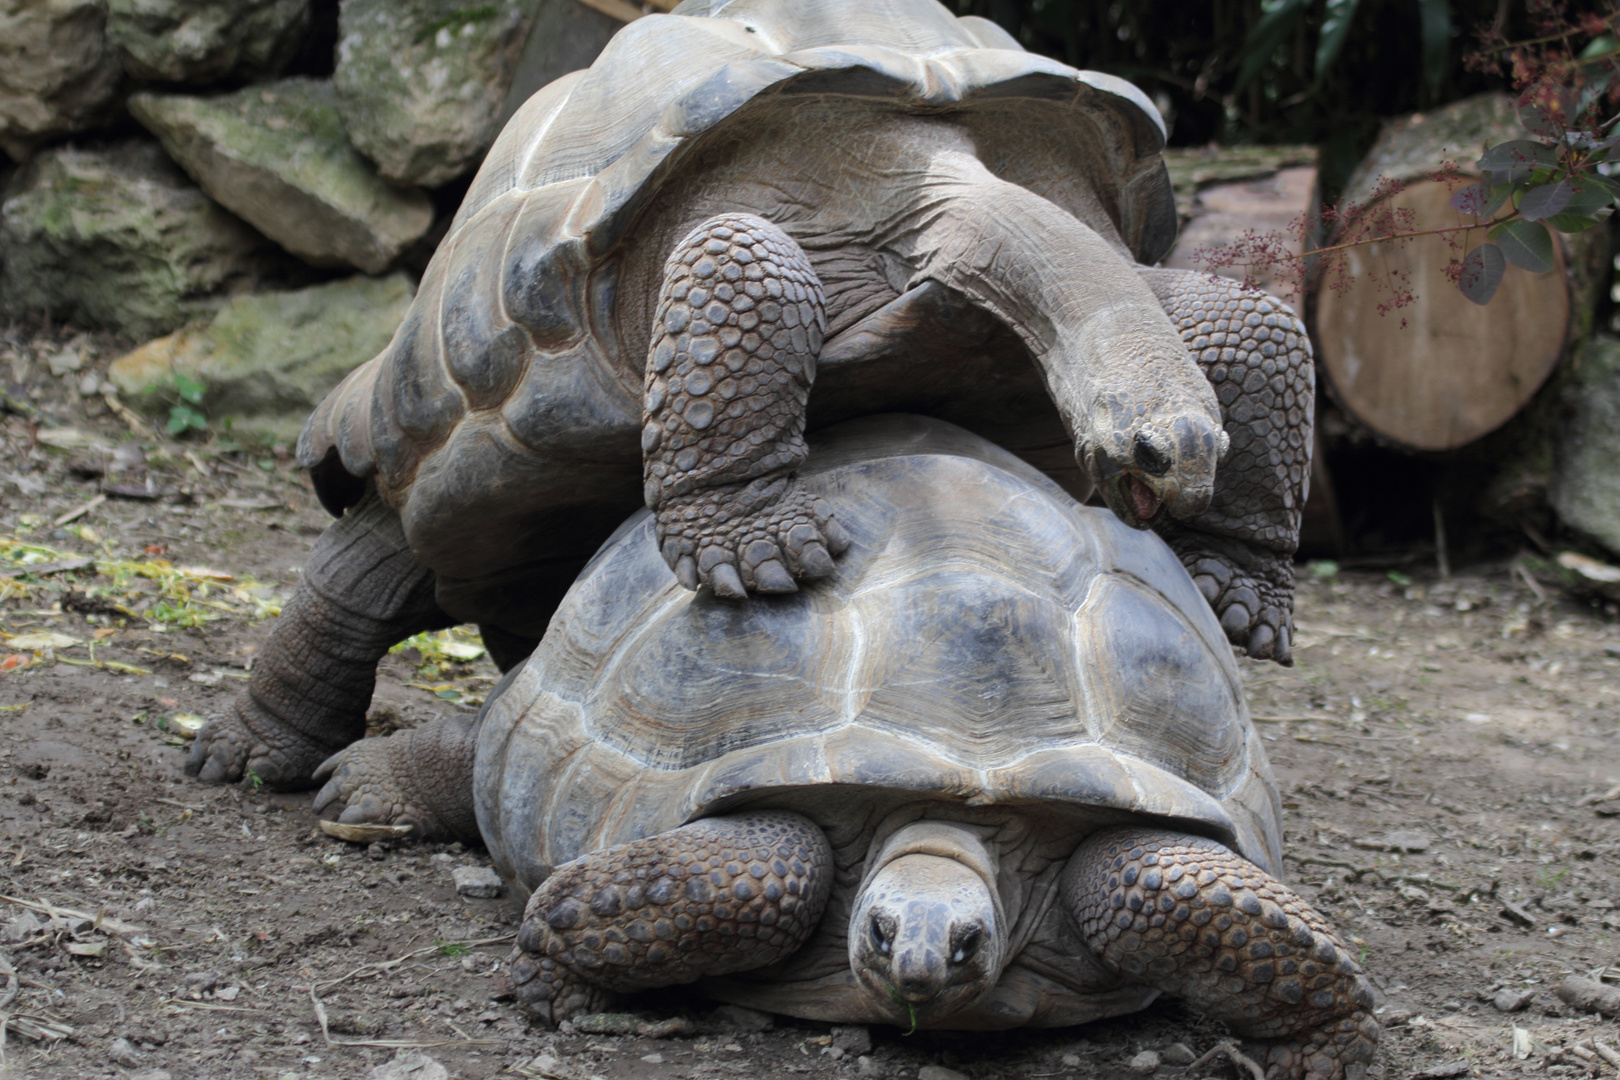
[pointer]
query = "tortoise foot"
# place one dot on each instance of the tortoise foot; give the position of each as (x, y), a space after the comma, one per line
(1191, 917)
(717, 896)
(754, 537)
(422, 778)
(1250, 589)
(260, 750)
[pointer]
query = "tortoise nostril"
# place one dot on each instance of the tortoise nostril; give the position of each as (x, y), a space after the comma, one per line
(1153, 460)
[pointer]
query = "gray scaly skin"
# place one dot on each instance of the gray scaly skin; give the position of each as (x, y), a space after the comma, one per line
(421, 777)
(361, 592)
(1189, 916)
(1180, 913)
(1239, 550)
(734, 346)
(717, 896)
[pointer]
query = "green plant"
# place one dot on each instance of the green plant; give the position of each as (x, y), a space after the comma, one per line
(255, 779)
(186, 414)
(451, 948)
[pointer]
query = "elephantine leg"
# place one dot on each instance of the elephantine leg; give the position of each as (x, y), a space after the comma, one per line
(735, 341)
(1189, 916)
(422, 777)
(1239, 550)
(361, 592)
(717, 896)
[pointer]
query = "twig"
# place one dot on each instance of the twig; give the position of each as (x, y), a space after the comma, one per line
(1233, 1054)
(1529, 579)
(381, 966)
(1293, 719)
(74, 515)
(12, 986)
(104, 923)
(1608, 1052)
(387, 1044)
(1441, 558)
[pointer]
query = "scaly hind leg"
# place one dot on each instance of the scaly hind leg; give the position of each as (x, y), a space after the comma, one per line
(734, 347)
(1257, 356)
(717, 896)
(422, 777)
(362, 591)
(1191, 917)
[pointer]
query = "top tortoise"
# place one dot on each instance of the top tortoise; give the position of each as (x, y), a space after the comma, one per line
(659, 256)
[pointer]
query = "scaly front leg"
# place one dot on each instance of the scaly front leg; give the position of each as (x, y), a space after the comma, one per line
(733, 354)
(1240, 548)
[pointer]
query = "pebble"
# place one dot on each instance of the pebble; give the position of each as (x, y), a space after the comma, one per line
(865, 1066)
(149, 1074)
(122, 1052)
(477, 882)
(852, 1038)
(409, 1066)
(744, 1019)
(201, 980)
(939, 1072)
(1508, 1000)
(1514, 913)
(22, 928)
(1146, 1063)
(653, 1058)
(1178, 1054)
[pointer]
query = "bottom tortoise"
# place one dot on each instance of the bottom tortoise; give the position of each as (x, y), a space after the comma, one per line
(994, 771)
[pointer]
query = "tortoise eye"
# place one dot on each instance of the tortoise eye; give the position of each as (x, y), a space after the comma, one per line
(881, 935)
(966, 944)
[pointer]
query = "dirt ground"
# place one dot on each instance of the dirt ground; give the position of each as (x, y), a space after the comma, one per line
(158, 928)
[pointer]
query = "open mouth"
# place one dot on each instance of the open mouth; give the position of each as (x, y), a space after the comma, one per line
(1144, 501)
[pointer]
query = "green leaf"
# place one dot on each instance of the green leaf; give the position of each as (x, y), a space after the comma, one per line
(1525, 244)
(1277, 21)
(1601, 45)
(1335, 28)
(1570, 223)
(1434, 16)
(1545, 200)
(1482, 271)
(189, 389)
(1518, 159)
(1591, 194)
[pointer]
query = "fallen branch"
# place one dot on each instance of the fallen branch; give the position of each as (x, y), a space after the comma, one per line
(387, 1044)
(380, 966)
(1233, 1054)
(99, 921)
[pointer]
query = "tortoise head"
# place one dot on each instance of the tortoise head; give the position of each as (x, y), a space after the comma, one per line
(1141, 463)
(926, 936)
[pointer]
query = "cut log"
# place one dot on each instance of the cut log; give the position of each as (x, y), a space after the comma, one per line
(1223, 194)
(1441, 372)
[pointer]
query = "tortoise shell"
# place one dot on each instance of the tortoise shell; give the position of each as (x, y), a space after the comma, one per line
(503, 420)
(986, 643)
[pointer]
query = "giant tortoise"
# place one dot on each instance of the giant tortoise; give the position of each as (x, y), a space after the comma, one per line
(662, 252)
(996, 770)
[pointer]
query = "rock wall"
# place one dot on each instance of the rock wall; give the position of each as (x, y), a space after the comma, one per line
(274, 155)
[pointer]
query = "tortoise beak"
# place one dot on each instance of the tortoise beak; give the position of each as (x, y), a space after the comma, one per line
(1159, 466)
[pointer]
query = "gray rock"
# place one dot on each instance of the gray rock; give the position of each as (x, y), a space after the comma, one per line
(277, 154)
(1145, 1063)
(1509, 1000)
(409, 1066)
(118, 239)
(150, 1074)
(566, 36)
(202, 41)
(478, 882)
(1178, 1054)
(1586, 484)
(422, 82)
(745, 1020)
(939, 1072)
(852, 1038)
(22, 928)
(865, 1066)
(123, 1052)
(57, 73)
(267, 359)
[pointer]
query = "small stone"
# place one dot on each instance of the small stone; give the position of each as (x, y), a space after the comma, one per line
(865, 1066)
(1145, 1064)
(149, 1074)
(409, 1066)
(227, 993)
(745, 1020)
(939, 1072)
(1508, 1000)
(89, 384)
(477, 882)
(201, 980)
(852, 1038)
(22, 928)
(122, 1052)
(1178, 1054)
(1070, 1061)
(654, 1058)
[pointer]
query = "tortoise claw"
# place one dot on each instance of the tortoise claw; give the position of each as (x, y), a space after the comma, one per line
(686, 572)
(726, 582)
(772, 577)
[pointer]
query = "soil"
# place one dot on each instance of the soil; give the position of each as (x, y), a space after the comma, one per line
(1448, 752)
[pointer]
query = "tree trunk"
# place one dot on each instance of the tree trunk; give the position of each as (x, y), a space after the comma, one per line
(1440, 372)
